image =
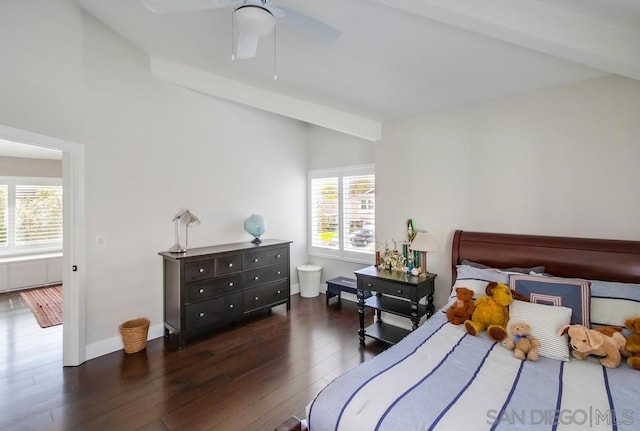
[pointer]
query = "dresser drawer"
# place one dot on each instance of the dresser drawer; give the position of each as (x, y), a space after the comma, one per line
(260, 276)
(278, 256)
(262, 296)
(228, 264)
(388, 287)
(254, 259)
(199, 270)
(211, 288)
(215, 310)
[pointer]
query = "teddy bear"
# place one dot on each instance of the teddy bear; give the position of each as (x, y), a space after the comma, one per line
(523, 344)
(632, 345)
(492, 312)
(585, 342)
(462, 308)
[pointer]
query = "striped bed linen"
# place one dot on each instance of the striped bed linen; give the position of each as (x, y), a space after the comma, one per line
(440, 378)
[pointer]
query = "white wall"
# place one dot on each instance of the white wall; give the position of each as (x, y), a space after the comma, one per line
(152, 148)
(562, 161)
(330, 149)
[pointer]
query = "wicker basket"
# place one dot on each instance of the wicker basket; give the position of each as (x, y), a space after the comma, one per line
(134, 334)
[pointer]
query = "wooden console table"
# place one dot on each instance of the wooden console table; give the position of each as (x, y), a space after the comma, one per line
(396, 293)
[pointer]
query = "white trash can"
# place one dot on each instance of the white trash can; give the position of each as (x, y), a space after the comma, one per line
(309, 279)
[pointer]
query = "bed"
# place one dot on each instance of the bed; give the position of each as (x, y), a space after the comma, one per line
(440, 378)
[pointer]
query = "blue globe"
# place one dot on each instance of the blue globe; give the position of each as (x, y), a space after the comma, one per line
(255, 226)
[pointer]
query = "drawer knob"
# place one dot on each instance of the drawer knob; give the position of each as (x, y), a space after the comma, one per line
(201, 291)
(369, 285)
(201, 269)
(277, 256)
(256, 277)
(230, 305)
(256, 259)
(231, 284)
(201, 314)
(399, 291)
(278, 273)
(278, 292)
(256, 298)
(231, 265)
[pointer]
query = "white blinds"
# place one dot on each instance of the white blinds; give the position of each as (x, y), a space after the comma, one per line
(325, 213)
(341, 213)
(359, 194)
(38, 214)
(4, 222)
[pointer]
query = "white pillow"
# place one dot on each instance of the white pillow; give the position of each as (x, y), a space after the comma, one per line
(478, 286)
(545, 320)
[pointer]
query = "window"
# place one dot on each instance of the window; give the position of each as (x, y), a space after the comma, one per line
(30, 214)
(342, 213)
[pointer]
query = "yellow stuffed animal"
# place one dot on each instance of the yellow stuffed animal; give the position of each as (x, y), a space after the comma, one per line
(492, 312)
(632, 345)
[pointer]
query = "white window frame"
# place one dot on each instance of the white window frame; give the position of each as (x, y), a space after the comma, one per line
(11, 249)
(339, 253)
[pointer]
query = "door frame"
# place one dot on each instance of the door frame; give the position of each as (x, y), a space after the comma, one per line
(73, 243)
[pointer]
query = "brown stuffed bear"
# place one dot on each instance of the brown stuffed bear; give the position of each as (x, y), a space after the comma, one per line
(632, 346)
(585, 342)
(492, 312)
(523, 344)
(462, 309)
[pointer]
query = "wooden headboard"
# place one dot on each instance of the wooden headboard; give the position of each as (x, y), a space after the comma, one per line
(593, 259)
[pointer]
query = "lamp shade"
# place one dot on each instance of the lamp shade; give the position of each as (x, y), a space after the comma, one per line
(190, 218)
(254, 20)
(424, 242)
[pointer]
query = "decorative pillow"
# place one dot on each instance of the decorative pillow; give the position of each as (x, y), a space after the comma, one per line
(568, 292)
(612, 303)
(545, 322)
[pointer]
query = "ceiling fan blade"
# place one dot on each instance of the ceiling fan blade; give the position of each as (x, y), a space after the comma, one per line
(306, 25)
(169, 6)
(246, 47)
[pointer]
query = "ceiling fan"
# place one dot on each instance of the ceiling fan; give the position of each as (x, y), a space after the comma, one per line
(252, 18)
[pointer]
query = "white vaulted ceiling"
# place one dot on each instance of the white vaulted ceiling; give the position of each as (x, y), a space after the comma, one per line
(394, 58)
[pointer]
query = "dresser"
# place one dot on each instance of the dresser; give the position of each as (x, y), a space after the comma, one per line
(397, 293)
(207, 287)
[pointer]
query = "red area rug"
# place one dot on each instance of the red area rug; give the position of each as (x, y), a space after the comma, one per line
(46, 304)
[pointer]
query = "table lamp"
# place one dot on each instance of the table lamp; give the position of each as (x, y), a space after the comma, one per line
(188, 218)
(423, 243)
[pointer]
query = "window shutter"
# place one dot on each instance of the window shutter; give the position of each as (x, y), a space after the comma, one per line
(359, 194)
(38, 214)
(325, 204)
(4, 223)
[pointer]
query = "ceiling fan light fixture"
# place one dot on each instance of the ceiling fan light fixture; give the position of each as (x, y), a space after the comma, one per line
(254, 20)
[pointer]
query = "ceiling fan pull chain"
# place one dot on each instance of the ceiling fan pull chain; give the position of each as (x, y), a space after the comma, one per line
(275, 57)
(233, 38)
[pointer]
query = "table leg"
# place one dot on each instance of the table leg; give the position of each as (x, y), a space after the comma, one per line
(415, 315)
(360, 295)
(431, 308)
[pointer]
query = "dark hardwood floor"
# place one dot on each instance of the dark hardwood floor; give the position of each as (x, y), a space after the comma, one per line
(250, 376)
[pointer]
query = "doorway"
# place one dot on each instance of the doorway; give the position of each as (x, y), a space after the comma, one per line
(73, 276)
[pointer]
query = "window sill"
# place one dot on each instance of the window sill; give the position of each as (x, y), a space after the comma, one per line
(368, 260)
(25, 257)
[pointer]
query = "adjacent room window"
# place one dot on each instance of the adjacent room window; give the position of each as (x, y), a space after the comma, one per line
(30, 214)
(342, 213)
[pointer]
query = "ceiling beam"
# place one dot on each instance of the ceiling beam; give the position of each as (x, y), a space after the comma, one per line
(538, 26)
(228, 89)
